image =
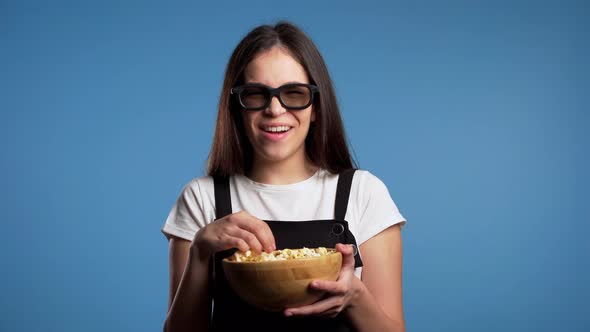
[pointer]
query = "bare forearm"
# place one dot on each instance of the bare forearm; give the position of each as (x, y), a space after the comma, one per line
(190, 309)
(367, 315)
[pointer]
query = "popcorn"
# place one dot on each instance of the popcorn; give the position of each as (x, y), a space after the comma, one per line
(278, 255)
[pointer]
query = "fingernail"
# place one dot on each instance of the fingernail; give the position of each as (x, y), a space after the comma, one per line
(288, 314)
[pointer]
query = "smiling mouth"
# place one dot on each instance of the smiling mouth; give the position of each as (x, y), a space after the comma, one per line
(276, 130)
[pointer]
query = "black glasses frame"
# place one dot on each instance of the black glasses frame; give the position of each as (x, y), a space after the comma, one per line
(272, 92)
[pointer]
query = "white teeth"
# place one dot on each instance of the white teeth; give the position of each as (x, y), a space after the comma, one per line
(277, 129)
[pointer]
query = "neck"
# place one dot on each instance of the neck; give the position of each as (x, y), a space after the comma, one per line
(282, 172)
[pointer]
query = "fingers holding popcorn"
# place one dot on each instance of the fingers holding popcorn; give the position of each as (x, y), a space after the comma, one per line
(238, 230)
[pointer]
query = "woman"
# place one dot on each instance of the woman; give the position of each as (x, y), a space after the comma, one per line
(280, 175)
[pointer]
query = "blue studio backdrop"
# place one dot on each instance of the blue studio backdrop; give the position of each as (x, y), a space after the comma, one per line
(474, 114)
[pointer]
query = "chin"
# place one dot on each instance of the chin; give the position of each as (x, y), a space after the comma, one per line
(277, 154)
(276, 157)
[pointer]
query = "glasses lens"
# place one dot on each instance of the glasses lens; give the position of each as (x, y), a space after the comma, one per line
(296, 96)
(254, 97)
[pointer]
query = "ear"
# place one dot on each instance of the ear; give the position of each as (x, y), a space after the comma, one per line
(313, 114)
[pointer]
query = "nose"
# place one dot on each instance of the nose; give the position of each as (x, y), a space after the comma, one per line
(275, 108)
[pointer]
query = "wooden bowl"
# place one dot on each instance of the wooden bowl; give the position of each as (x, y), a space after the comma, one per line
(276, 285)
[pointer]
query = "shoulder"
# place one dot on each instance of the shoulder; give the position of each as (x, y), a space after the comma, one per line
(205, 185)
(198, 188)
(197, 184)
(374, 208)
(369, 191)
(363, 181)
(366, 182)
(325, 176)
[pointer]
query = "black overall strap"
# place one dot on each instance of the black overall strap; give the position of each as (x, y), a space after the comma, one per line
(342, 193)
(222, 197)
(222, 209)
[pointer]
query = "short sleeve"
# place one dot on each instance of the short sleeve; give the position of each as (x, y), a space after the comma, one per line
(187, 215)
(378, 210)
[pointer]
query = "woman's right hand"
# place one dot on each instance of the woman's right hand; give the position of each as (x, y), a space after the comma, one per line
(238, 230)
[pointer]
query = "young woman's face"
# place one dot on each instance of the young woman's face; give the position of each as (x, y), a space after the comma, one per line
(265, 128)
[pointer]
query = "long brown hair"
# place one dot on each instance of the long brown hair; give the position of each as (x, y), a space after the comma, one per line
(325, 144)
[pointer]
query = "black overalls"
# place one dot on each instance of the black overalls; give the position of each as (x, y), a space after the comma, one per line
(230, 313)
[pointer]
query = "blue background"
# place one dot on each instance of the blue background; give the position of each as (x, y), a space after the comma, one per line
(473, 113)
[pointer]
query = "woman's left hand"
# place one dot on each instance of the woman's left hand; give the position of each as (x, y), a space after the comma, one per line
(339, 292)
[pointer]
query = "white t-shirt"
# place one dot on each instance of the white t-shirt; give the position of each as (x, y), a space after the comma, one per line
(370, 207)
